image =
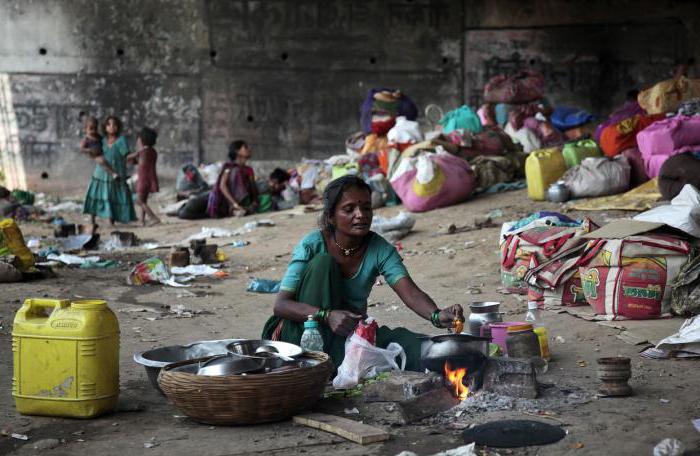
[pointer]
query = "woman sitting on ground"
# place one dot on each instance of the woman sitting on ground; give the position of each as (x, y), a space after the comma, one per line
(235, 192)
(332, 272)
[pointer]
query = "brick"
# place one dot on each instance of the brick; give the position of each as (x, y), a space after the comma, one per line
(510, 377)
(401, 386)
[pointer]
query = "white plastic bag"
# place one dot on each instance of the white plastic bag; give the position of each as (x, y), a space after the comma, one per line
(364, 360)
(683, 212)
(405, 131)
(598, 177)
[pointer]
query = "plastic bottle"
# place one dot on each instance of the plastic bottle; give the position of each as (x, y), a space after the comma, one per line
(311, 339)
(534, 316)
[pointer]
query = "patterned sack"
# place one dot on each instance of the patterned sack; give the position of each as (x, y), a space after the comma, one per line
(557, 281)
(623, 135)
(432, 180)
(666, 96)
(685, 293)
(528, 249)
(522, 87)
(629, 278)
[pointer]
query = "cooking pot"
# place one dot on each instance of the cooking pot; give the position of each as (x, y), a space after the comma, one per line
(558, 192)
(460, 349)
(482, 313)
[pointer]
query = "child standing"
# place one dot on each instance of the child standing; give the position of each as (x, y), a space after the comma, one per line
(106, 196)
(147, 181)
(91, 145)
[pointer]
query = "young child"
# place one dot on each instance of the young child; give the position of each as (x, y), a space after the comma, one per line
(147, 181)
(91, 145)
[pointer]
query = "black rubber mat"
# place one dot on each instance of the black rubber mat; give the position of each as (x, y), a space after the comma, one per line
(513, 434)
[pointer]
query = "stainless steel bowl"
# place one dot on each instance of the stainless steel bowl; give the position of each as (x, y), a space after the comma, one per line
(230, 365)
(482, 313)
(247, 347)
(154, 360)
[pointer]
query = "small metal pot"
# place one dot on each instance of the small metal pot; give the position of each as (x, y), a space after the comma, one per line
(461, 349)
(482, 313)
(558, 192)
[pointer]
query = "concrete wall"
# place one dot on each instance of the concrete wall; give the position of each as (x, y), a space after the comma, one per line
(289, 75)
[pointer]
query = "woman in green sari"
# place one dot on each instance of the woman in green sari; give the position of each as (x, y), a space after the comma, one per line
(331, 274)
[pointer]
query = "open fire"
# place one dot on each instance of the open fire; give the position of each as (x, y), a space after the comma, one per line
(455, 380)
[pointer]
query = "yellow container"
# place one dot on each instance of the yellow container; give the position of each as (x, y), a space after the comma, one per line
(542, 169)
(544, 343)
(66, 358)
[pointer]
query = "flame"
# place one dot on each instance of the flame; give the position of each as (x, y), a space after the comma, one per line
(455, 378)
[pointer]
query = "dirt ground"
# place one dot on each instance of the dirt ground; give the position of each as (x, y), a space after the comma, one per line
(666, 392)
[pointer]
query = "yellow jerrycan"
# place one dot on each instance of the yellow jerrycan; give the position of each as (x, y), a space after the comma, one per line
(66, 358)
(542, 169)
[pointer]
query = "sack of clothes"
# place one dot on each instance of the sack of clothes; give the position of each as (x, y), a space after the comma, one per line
(431, 180)
(557, 281)
(598, 176)
(539, 240)
(382, 106)
(630, 278)
(666, 96)
(521, 87)
(629, 108)
(667, 137)
(623, 135)
(462, 118)
(685, 290)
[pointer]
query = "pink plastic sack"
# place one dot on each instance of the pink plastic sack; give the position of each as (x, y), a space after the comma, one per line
(663, 137)
(653, 164)
(432, 180)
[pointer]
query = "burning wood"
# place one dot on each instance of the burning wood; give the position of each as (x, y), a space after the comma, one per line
(455, 378)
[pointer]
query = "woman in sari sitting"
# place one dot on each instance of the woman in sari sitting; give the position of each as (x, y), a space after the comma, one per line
(235, 192)
(332, 272)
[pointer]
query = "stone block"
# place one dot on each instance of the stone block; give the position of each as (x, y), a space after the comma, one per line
(401, 386)
(427, 404)
(510, 377)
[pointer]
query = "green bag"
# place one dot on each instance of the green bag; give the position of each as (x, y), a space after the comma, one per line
(23, 197)
(575, 152)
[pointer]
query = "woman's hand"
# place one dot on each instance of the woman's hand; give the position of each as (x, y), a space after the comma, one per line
(448, 315)
(343, 322)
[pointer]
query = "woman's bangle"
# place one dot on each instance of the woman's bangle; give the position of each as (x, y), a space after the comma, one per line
(321, 316)
(435, 318)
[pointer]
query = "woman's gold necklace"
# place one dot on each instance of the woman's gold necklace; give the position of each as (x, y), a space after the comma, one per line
(347, 252)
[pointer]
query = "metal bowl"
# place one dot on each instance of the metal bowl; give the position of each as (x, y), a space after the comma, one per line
(247, 347)
(230, 365)
(484, 306)
(154, 360)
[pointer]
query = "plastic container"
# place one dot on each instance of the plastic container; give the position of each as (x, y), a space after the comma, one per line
(542, 169)
(499, 332)
(66, 358)
(522, 342)
(575, 152)
(311, 339)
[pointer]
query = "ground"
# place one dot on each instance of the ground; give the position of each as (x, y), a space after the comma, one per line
(665, 399)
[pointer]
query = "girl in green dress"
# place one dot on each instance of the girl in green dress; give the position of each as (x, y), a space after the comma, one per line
(106, 196)
(332, 272)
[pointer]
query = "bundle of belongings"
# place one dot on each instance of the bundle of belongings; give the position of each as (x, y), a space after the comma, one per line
(15, 257)
(378, 115)
(625, 270)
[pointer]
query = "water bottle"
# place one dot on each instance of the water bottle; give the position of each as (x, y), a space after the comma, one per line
(534, 316)
(311, 339)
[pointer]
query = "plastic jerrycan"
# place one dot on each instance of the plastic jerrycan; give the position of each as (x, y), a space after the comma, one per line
(66, 358)
(542, 169)
(574, 153)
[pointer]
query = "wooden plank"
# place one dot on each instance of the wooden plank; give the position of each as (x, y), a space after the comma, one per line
(352, 430)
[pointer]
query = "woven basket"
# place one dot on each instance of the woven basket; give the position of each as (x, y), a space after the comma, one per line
(245, 399)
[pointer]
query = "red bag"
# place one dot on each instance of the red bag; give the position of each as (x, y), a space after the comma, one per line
(522, 87)
(557, 281)
(629, 278)
(623, 135)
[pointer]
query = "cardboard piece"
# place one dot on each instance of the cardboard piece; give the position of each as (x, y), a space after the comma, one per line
(622, 228)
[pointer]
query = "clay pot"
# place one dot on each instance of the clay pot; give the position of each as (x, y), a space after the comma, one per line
(613, 374)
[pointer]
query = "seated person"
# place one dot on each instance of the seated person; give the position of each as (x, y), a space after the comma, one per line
(271, 195)
(235, 192)
(8, 205)
(677, 171)
(332, 272)
(189, 182)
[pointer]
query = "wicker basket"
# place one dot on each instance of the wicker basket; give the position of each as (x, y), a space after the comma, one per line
(246, 399)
